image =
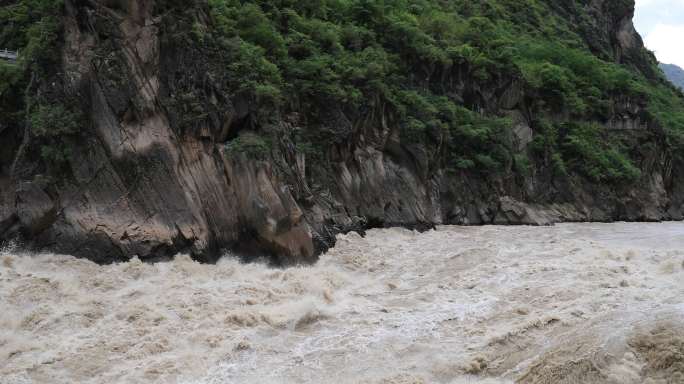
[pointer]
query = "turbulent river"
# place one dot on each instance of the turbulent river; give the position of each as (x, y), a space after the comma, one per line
(574, 303)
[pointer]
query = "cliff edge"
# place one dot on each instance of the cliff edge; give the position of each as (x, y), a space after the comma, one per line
(155, 127)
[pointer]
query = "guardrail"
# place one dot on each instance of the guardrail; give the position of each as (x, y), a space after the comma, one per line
(9, 55)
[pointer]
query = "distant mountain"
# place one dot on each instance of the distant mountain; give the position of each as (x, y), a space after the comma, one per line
(674, 73)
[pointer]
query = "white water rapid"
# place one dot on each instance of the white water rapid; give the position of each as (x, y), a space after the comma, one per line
(574, 303)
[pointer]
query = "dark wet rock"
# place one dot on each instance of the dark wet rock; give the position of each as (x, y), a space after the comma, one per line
(35, 210)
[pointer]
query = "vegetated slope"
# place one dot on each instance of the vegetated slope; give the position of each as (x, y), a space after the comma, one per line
(674, 73)
(149, 128)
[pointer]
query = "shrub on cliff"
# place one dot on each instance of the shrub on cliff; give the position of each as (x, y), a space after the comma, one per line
(399, 57)
(435, 69)
(599, 159)
(249, 144)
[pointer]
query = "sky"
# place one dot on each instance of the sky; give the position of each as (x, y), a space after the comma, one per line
(661, 24)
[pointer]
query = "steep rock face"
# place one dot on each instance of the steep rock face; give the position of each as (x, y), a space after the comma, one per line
(138, 187)
(142, 183)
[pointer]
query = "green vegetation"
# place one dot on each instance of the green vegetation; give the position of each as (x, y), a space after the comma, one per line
(574, 80)
(11, 86)
(434, 69)
(249, 144)
(10, 77)
(667, 108)
(54, 120)
(34, 28)
(402, 59)
(599, 159)
(53, 125)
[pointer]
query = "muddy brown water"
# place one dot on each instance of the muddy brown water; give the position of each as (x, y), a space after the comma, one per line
(574, 303)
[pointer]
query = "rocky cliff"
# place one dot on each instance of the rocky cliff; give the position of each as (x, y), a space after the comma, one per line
(157, 147)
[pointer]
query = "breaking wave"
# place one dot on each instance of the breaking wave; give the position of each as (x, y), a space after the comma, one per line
(574, 303)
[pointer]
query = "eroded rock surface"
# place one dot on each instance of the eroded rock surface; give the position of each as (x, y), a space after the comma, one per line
(142, 182)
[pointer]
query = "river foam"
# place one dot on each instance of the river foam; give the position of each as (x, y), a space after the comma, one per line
(574, 303)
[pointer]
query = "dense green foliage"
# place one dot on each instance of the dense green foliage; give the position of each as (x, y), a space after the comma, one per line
(250, 144)
(52, 123)
(11, 77)
(34, 27)
(601, 161)
(404, 58)
(435, 69)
